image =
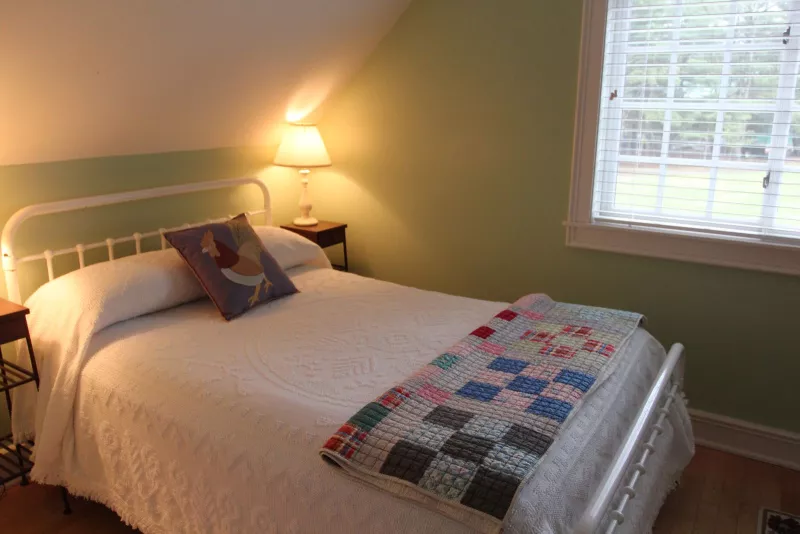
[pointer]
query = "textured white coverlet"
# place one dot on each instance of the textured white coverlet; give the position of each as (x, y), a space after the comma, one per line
(185, 423)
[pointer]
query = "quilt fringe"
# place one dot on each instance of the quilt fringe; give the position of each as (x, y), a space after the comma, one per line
(86, 492)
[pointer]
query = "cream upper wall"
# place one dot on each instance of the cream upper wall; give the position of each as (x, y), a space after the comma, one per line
(90, 78)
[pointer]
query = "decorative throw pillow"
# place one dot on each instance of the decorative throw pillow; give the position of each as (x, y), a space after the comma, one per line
(232, 265)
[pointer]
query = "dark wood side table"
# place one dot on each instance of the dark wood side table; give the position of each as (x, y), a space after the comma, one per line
(16, 462)
(324, 234)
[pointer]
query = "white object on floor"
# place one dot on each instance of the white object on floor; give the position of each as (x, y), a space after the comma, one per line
(183, 421)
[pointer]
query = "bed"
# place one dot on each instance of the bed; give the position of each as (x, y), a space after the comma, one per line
(184, 423)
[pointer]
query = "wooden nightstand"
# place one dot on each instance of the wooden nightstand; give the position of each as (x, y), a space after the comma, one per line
(17, 459)
(324, 234)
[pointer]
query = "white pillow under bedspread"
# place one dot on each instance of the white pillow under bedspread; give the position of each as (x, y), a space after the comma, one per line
(184, 423)
(69, 310)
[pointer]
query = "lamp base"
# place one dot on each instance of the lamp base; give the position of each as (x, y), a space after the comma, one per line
(305, 221)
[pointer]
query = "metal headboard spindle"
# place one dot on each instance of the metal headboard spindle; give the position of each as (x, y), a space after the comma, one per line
(11, 262)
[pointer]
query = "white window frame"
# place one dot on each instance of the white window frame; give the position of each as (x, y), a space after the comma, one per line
(583, 232)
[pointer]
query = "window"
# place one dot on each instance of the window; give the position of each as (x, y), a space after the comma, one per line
(688, 131)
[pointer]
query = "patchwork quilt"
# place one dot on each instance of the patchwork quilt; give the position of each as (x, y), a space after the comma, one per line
(464, 432)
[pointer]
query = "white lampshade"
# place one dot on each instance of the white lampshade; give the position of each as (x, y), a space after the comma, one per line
(302, 147)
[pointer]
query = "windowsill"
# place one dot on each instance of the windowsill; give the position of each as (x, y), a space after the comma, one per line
(685, 246)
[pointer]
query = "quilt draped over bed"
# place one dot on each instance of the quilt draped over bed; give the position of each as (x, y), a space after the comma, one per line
(464, 432)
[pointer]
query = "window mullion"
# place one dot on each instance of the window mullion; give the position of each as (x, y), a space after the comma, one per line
(782, 121)
(719, 127)
(672, 82)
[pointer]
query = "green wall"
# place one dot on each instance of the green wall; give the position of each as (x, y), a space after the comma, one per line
(459, 128)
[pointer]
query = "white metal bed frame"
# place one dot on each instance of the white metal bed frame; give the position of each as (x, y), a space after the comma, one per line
(10, 261)
(606, 509)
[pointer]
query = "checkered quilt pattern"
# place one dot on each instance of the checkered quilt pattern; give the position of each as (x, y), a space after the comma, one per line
(463, 433)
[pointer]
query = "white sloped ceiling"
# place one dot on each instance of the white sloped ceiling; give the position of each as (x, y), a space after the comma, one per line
(91, 78)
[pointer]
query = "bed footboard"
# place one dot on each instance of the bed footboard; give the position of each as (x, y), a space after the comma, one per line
(630, 461)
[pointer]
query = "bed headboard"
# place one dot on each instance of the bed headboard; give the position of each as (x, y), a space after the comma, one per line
(11, 262)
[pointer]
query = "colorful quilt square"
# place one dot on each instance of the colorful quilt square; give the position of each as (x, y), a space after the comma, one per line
(564, 392)
(513, 399)
(346, 440)
(491, 492)
(445, 361)
(483, 332)
(593, 345)
(577, 379)
(534, 316)
(479, 391)
(528, 439)
(376, 445)
(433, 394)
(590, 345)
(507, 365)
(487, 427)
(496, 378)
(408, 461)
(369, 416)
(430, 434)
(492, 348)
(581, 331)
(540, 336)
(448, 477)
(543, 370)
(554, 409)
(524, 384)
(467, 447)
(507, 315)
(449, 417)
(559, 351)
(394, 397)
(507, 459)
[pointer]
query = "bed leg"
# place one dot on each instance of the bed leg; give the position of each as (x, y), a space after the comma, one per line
(65, 499)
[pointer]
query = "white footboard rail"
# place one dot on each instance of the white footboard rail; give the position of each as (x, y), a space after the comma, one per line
(602, 515)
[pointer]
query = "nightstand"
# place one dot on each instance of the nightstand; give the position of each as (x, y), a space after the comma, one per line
(324, 234)
(16, 462)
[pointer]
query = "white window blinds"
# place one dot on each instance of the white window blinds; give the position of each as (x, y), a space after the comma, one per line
(700, 117)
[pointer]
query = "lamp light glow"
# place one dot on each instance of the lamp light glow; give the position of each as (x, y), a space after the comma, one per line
(303, 148)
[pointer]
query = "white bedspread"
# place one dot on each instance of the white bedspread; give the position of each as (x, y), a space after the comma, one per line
(186, 423)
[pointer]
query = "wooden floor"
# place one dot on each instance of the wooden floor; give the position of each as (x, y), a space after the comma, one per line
(719, 494)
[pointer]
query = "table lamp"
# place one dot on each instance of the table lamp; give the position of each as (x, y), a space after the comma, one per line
(302, 148)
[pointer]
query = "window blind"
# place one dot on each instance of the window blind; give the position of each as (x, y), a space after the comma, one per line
(700, 117)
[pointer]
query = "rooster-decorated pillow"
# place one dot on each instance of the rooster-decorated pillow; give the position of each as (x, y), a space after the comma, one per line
(232, 264)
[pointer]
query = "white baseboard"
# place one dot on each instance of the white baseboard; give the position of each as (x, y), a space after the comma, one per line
(758, 442)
